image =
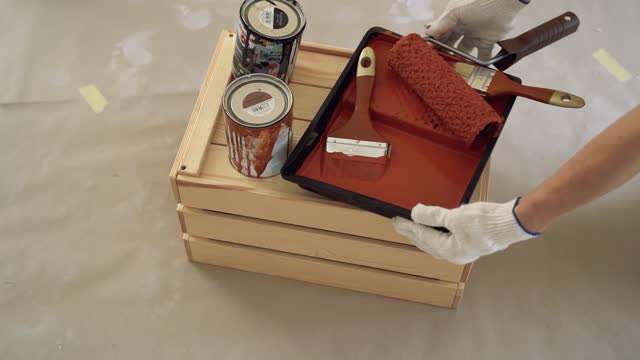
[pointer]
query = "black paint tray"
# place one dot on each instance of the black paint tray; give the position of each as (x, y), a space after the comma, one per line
(427, 165)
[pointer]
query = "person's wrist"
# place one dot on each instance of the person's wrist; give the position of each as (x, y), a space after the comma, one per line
(529, 214)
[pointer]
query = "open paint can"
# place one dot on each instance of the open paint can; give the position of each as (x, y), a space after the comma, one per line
(268, 38)
(257, 112)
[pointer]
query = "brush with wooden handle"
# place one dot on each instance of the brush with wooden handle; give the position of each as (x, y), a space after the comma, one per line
(356, 149)
(491, 82)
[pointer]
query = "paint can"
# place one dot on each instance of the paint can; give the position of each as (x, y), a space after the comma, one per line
(258, 117)
(269, 34)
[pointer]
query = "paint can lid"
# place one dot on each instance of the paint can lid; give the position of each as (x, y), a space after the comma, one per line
(257, 100)
(276, 19)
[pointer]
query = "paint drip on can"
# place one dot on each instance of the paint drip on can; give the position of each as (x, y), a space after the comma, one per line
(258, 117)
(269, 34)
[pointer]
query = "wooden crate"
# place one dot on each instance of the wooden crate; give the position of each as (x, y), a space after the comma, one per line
(272, 226)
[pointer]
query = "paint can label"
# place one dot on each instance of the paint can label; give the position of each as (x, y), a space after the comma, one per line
(266, 16)
(268, 38)
(257, 112)
(259, 103)
(259, 154)
(274, 18)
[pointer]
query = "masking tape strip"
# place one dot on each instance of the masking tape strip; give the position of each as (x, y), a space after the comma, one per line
(94, 98)
(612, 65)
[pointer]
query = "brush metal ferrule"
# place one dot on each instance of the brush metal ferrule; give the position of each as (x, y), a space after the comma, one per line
(351, 147)
(477, 77)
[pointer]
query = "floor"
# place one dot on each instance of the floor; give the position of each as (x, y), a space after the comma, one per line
(91, 262)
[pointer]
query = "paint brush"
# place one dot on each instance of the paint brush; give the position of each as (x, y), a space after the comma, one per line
(495, 83)
(517, 48)
(356, 149)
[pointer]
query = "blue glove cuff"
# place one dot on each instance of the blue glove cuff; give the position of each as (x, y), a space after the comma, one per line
(526, 2)
(532, 233)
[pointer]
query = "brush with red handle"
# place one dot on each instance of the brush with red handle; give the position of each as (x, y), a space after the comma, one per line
(356, 149)
(495, 83)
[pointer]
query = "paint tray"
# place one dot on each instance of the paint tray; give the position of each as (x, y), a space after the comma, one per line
(427, 164)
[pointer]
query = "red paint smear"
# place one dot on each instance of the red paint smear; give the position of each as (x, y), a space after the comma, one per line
(258, 144)
(426, 166)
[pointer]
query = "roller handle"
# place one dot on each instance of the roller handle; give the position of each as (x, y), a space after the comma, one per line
(537, 38)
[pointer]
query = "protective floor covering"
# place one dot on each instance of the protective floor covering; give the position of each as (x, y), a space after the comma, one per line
(91, 262)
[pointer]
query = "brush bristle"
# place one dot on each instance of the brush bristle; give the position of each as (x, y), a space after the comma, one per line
(356, 167)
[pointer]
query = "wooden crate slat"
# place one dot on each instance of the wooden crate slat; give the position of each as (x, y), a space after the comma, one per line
(458, 297)
(277, 200)
(318, 69)
(217, 172)
(184, 144)
(221, 188)
(325, 49)
(210, 107)
(307, 100)
(316, 243)
(319, 271)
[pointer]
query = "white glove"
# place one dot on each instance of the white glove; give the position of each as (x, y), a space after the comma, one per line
(481, 22)
(476, 230)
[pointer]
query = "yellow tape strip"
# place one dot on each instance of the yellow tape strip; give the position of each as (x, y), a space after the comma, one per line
(94, 98)
(612, 65)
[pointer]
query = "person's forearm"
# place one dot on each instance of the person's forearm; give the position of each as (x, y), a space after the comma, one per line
(608, 161)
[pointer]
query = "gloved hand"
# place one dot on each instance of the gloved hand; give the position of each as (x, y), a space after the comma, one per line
(476, 230)
(481, 22)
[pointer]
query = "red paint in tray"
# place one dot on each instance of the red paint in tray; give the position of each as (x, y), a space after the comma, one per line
(427, 165)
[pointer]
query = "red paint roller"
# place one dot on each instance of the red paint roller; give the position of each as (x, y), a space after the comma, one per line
(460, 109)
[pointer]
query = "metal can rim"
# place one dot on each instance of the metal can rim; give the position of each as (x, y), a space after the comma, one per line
(296, 6)
(235, 84)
